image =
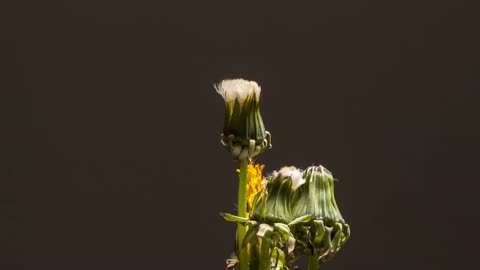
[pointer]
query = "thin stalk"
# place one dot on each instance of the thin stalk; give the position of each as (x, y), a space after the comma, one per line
(265, 262)
(313, 263)
(242, 212)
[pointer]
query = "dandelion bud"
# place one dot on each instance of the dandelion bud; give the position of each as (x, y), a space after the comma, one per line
(275, 206)
(327, 232)
(316, 196)
(244, 134)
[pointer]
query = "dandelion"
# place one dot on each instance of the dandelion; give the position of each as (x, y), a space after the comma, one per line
(317, 196)
(282, 216)
(244, 133)
(327, 232)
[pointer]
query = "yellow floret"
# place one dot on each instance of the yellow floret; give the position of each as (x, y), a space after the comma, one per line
(254, 181)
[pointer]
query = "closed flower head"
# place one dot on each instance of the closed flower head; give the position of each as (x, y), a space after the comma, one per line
(244, 133)
(317, 196)
(275, 205)
(327, 232)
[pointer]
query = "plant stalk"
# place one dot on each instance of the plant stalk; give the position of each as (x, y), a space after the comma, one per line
(313, 263)
(265, 262)
(242, 212)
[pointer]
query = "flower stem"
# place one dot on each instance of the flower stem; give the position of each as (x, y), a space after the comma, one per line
(264, 255)
(242, 212)
(313, 263)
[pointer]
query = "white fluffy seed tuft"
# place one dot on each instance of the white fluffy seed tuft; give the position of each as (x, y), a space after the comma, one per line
(295, 174)
(238, 89)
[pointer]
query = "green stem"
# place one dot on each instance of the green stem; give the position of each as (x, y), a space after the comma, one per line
(313, 263)
(265, 262)
(242, 212)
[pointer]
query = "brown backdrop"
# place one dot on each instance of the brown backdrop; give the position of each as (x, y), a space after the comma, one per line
(110, 153)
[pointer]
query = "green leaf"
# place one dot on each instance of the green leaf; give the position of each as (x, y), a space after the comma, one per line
(233, 218)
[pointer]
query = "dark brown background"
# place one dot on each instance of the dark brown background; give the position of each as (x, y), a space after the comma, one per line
(110, 153)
